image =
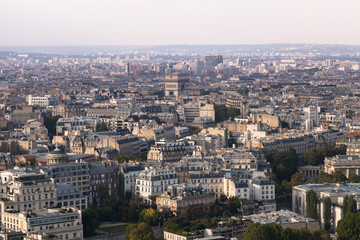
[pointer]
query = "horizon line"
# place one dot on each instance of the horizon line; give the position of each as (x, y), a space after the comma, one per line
(180, 44)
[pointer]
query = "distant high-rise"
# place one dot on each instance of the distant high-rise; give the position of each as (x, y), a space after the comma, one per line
(127, 69)
(197, 67)
(212, 60)
(175, 84)
(148, 56)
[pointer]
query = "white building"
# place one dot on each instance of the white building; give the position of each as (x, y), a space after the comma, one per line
(130, 174)
(263, 189)
(151, 182)
(312, 113)
(45, 101)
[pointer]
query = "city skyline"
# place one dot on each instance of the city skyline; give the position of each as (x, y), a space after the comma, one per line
(65, 23)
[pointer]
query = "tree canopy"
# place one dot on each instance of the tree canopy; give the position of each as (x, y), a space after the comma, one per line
(141, 231)
(101, 127)
(335, 177)
(90, 221)
(150, 216)
(316, 156)
(327, 213)
(283, 164)
(257, 231)
(348, 228)
(222, 113)
(311, 204)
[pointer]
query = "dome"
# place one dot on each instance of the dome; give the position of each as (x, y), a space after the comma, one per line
(57, 156)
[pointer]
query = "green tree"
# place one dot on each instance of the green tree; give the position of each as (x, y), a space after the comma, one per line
(232, 112)
(150, 216)
(194, 130)
(354, 178)
(339, 176)
(324, 177)
(348, 228)
(103, 192)
(274, 231)
(311, 204)
(90, 221)
(317, 156)
(327, 213)
(256, 231)
(296, 179)
(101, 127)
(141, 231)
(121, 158)
(351, 205)
(222, 113)
(345, 204)
(283, 164)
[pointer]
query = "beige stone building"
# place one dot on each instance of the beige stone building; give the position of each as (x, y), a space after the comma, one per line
(21, 115)
(207, 111)
(181, 197)
(26, 191)
(69, 111)
(271, 120)
(64, 223)
(169, 153)
(346, 163)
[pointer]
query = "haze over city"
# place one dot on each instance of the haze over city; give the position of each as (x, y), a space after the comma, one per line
(167, 22)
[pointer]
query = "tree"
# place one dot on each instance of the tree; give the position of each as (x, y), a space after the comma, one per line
(101, 127)
(311, 204)
(256, 231)
(194, 130)
(141, 231)
(283, 164)
(222, 113)
(121, 158)
(339, 176)
(90, 221)
(324, 177)
(274, 231)
(327, 213)
(103, 192)
(150, 216)
(296, 179)
(335, 177)
(50, 124)
(348, 228)
(345, 204)
(317, 156)
(354, 178)
(351, 205)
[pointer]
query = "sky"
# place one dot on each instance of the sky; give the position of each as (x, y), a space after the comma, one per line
(167, 22)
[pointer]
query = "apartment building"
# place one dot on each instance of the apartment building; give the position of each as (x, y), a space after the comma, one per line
(153, 181)
(180, 197)
(130, 174)
(211, 182)
(64, 223)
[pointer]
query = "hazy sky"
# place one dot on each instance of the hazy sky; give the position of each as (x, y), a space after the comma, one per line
(157, 22)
